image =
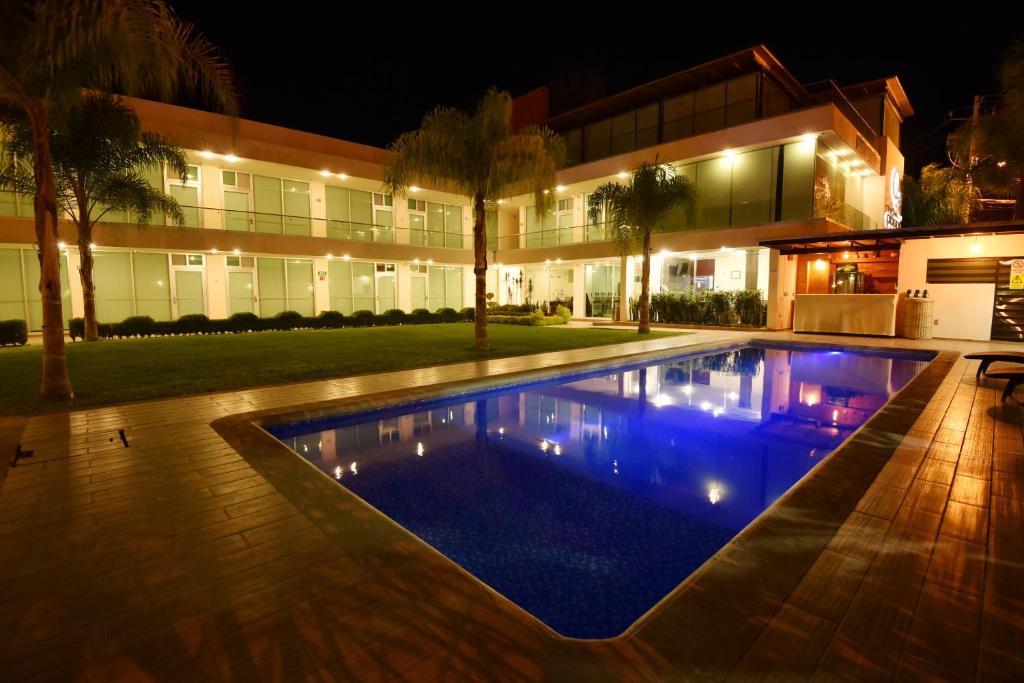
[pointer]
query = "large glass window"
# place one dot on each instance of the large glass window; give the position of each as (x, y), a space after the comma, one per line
(296, 208)
(678, 117)
(285, 285)
(112, 275)
(445, 287)
(714, 192)
(741, 100)
(597, 140)
(797, 180)
(602, 289)
(339, 279)
(453, 226)
(30, 259)
(361, 210)
(152, 286)
(753, 187)
(267, 203)
(12, 285)
(364, 295)
(709, 108)
(337, 211)
(185, 191)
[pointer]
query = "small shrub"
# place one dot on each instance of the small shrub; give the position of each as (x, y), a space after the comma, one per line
(563, 313)
(244, 322)
(537, 314)
(447, 315)
(362, 318)
(105, 330)
(136, 326)
(330, 320)
(393, 316)
(76, 328)
(468, 313)
(421, 316)
(166, 328)
(193, 323)
(13, 332)
(287, 320)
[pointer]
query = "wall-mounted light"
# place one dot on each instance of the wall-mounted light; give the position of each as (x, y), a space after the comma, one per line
(343, 176)
(236, 252)
(325, 173)
(230, 158)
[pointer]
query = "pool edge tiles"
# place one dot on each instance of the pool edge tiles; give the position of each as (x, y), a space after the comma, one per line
(813, 397)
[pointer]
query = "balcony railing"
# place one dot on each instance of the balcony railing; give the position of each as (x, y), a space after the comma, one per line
(554, 237)
(200, 217)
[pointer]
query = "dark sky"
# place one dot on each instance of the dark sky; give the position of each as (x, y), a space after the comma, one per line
(350, 73)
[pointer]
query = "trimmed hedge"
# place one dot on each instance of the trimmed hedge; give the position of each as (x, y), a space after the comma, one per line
(13, 332)
(708, 307)
(144, 326)
(534, 319)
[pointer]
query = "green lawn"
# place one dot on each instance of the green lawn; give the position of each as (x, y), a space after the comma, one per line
(115, 371)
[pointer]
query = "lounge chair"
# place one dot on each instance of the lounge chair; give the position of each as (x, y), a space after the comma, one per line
(987, 358)
(1013, 373)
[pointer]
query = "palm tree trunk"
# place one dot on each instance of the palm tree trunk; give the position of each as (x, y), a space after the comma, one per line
(85, 273)
(56, 384)
(480, 271)
(645, 286)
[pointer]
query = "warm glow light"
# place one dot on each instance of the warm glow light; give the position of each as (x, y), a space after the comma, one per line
(61, 245)
(501, 430)
(820, 264)
(688, 389)
(230, 158)
(338, 472)
(622, 175)
(92, 245)
(693, 257)
(663, 252)
(325, 173)
(976, 247)
(728, 153)
(352, 468)
(419, 449)
(705, 405)
(236, 252)
(661, 400)
(717, 411)
(344, 257)
(343, 176)
(808, 137)
(547, 261)
(835, 416)
(1001, 164)
(413, 188)
(498, 264)
(560, 188)
(329, 256)
(544, 445)
(846, 254)
(206, 154)
(557, 449)
(725, 249)
(714, 494)
(809, 397)
(558, 260)
(733, 396)
(415, 260)
(214, 250)
(430, 261)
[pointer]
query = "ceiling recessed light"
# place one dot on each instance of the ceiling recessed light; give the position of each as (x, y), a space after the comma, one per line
(230, 158)
(207, 154)
(413, 188)
(325, 173)
(236, 252)
(343, 176)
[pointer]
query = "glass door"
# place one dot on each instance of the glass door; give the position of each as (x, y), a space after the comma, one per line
(418, 290)
(241, 295)
(237, 214)
(602, 289)
(385, 287)
(185, 191)
(188, 296)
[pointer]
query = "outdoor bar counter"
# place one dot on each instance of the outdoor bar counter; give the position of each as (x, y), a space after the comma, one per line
(846, 313)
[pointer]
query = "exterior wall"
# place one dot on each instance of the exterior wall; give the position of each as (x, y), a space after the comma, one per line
(962, 311)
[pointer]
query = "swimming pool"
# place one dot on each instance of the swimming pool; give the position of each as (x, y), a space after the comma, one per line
(585, 499)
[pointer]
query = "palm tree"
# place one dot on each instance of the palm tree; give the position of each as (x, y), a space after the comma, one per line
(50, 50)
(655, 200)
(991, 151)
(99, 152)
(481, 157)
(940, 195)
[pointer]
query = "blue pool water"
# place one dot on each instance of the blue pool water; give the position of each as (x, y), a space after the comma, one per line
(587, 498)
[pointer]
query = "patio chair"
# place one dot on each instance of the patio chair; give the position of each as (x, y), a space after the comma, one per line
(1013, 373)
(987, 358)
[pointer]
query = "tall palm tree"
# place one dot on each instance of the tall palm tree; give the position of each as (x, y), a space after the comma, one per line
(99, 154)
(50, 50)
(481, 157)
(939, 195)
(656, 199)
(991, 151)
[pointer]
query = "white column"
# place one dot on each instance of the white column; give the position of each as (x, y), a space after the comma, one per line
(74, 283)
(216, 286)
(211, 197)
(321, 287)
(403, 287)
(579, 290)
(469, 287)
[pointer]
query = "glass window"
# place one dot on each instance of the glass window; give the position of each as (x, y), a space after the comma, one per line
(647, 126)
(361, 212)
(267, 203)
(233, 261)
(714, 192)
(12, 295)
(709, 109)
(491, 226)
(385, 222)
(624, 132)
(363, 293)
(270, 274)
(296, 208)
(152, 286)
(194, 259)
(597, 140)
(154, 176)
(753, 187)
(35, 305)
(300, 286)
(453, 288)
(453, 226)
(797, 180)
(574, 146)
(227, 178)
(339, 280)
(445, 287)
(112, 275)
(678, 115)
(435, 224)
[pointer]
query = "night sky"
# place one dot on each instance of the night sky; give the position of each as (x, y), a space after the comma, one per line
(352, 74)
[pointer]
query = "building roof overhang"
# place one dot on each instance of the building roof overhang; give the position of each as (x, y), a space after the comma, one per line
(868, 240)
(757, 58)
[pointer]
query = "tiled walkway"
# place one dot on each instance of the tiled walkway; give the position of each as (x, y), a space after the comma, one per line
(178, 558)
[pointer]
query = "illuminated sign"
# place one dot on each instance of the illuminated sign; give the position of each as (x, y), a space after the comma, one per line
(893, 218)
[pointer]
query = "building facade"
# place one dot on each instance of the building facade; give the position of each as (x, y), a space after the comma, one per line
(278, 219)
